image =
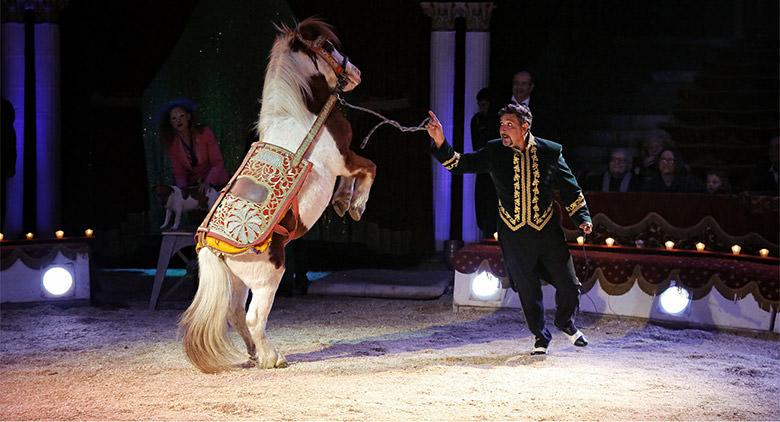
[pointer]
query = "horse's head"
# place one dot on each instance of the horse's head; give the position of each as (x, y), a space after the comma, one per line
(315, 44)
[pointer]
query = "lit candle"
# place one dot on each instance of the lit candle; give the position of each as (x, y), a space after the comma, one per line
(580, 240)
(495, 235)
(763, 252)
(29, 236)
(609, 241)
(669, 244)
(59, 234)
(89, 232)
(700, 247)
(736, 249)
(1, 236)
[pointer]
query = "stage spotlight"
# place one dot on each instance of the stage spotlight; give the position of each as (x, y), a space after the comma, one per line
(57, 281)
(486, 286)
(674, 300)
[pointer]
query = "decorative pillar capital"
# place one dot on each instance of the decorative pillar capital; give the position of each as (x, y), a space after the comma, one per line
(45, 10)
(478, 16)
(443, 15)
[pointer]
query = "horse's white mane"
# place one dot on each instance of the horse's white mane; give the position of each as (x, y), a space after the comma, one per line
(286, 85)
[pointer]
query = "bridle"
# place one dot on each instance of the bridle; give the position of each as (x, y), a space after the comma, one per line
(324, 49)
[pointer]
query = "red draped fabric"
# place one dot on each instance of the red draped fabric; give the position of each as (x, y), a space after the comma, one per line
(736, 214)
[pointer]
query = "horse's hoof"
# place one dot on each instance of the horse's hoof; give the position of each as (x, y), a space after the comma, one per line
(340, 207)
(356, 212)
(282, 362)
(246, 365)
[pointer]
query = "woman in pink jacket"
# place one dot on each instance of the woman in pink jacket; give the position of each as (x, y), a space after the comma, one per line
(193, 149)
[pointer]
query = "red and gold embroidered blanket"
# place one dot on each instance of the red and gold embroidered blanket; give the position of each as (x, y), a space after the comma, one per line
(254, 201)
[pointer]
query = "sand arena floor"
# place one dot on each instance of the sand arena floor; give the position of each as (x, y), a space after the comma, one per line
(373, 359)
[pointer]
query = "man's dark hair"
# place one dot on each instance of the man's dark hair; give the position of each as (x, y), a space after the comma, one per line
(522, 112)
(533, 80)
(484, 94)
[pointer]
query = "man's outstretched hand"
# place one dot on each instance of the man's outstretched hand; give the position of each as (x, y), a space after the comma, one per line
(586, 227)
(434, 129)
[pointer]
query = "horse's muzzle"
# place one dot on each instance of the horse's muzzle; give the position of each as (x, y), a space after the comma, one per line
(352, 74)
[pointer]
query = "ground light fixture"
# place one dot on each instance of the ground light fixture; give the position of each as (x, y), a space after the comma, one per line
(486, 286)
(57, 281)
(674, 300)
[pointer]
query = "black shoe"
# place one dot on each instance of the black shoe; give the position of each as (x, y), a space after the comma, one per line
(540, 347)
(577, 338)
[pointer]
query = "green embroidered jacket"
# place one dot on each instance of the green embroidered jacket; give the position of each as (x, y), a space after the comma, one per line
(525, 181)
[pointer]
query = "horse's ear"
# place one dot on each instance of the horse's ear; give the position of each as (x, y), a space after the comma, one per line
(313, 27)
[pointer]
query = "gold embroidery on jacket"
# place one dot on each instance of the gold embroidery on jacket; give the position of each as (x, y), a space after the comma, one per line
(539, 220)
(517, 220)
(526, 192)
(576, 205)
(452, 162)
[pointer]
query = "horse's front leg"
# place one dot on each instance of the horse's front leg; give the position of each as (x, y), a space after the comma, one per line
(342, 198)
(364, 172)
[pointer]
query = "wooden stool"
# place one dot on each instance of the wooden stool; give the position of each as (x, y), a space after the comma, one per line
(172, 243)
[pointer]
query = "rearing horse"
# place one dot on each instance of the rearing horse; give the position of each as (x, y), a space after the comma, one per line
(304, 68)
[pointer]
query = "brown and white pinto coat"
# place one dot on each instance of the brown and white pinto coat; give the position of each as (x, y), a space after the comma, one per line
(297, 84)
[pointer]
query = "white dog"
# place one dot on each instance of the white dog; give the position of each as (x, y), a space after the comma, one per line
(172, 199)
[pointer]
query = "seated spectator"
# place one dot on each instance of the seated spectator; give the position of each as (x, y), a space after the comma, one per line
(618, 176)
(767, 172)
(672, 176)
(717, 182)
(647, 162)
(193, 149)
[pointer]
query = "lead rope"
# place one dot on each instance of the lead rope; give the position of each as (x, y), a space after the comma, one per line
(384, 121)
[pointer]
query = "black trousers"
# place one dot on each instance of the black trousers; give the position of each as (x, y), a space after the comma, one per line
(531, 255)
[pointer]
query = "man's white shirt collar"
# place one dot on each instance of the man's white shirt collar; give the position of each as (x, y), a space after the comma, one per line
(526, 102)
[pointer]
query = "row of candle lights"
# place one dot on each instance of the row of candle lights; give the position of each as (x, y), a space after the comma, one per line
(59, 234)
(735, 249)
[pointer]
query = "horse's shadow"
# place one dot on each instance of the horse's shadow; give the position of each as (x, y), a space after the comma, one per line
(502, 326)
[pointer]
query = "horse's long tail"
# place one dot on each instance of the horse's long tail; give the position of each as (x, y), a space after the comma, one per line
(204, 323)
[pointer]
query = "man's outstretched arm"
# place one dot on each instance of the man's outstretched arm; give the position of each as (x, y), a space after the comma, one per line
(455, 162)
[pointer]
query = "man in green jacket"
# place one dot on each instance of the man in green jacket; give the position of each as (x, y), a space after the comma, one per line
(525, 171)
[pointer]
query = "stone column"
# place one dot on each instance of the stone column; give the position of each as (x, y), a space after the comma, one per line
(47, 110)
(477, 77)
(442, 99)
(13, 90)
(47, 116)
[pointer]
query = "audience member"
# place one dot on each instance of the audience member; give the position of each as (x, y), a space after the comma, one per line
(484, 127)
(647, 163)
(522, 86)
(7, 153)
(671, 176)
(767, 172)
(192, 148)
(618, 176)
(717, 182)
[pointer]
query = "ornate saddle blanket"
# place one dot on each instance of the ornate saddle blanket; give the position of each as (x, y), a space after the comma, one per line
(257, 197)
